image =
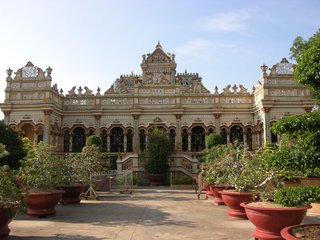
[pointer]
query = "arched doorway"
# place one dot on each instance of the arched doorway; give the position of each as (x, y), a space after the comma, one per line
(116, 139)
(78, 139)
(66, 141)
(236, 134)
(104, 143)
(184, 140)
(197, 139)
(224, 135)
(129, 141)
(27, 130)
(142, 136)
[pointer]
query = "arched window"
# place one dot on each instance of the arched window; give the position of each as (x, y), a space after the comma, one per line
(129, 140)
(91, 132)
(224, 135)
(211, 130)
(274, 137)
(249, 138)
(236, 134)
(184, 140)
(116, 139)
(142, 140)
(27, 130)
(172, 136)
(66, 141)
(197, 139)
(104, 140)
(78, 139)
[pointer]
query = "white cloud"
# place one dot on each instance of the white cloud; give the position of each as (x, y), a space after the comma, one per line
(235, 21)
(201, 49)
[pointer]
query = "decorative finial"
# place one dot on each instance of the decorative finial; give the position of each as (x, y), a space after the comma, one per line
(158, 45)
(9, 72)
(264, 69)
(216, 89)
(49, 70)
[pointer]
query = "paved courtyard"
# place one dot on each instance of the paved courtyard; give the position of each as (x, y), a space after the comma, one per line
(147, 214)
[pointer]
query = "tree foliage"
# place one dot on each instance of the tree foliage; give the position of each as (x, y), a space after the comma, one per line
(159, 149)
(213, 140)
(13, 145)
(307, 55)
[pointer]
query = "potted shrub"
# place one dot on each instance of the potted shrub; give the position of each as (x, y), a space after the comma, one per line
(219, 162)
(69, 175)
(245, 173)
(296, 154)
(289, 208)
(159, 148)
(40, 174)
(12, 195)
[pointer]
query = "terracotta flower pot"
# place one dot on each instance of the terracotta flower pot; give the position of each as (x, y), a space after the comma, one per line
(288, 232)
(216, 189)
(42, 204)
(71, 194)
(6, 216)
(269, 221)
(233, 199)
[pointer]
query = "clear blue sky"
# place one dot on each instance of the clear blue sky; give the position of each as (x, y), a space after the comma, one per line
(91, 43)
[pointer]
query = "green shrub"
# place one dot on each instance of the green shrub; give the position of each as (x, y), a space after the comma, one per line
(185, 180)
(94, 140)
(214, 140)
(297, 196)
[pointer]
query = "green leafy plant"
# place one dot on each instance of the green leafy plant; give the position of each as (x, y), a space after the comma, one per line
(14, 146)
(213, 140)
(185, 180)
(39, 171)
(235, 166)
(159, 149)
(297, 196)
(12, 192)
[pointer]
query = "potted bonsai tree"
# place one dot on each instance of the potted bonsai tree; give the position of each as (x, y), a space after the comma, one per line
(40, 174)
(219, 161)
(70, 173)
(12, 195)
(297, 154)
(245, 172)
(159, 148)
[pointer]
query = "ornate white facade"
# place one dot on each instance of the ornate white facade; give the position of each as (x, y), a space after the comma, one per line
(160, 97)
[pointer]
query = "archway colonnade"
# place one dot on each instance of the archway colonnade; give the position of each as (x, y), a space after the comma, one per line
(119, 139)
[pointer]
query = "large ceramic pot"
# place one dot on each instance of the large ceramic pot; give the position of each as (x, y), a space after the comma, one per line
(6, 216)
(269, 221)
(307, 231)
(216, 189)
(42, 204)
(71, 194)
(233, 199)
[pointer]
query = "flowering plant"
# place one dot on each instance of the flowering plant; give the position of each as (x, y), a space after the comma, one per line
(11, 191)
(234, 165)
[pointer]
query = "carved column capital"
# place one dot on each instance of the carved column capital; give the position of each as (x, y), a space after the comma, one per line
(178, 116)
(266, 109)
(97, 117)
(6, 113)
(217, 115)
(135, 116)
(47, 111)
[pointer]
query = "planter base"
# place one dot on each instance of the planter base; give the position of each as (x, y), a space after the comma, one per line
(42, 204)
